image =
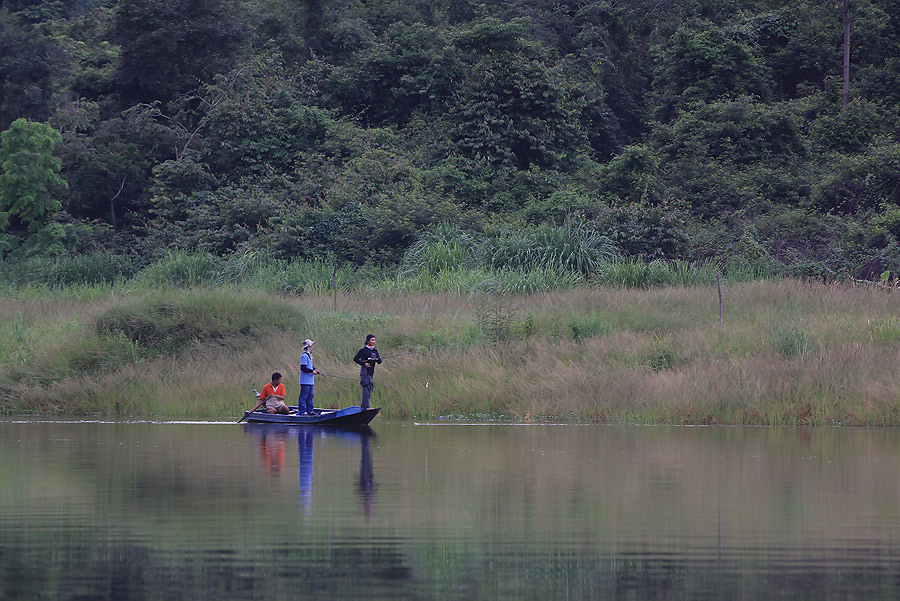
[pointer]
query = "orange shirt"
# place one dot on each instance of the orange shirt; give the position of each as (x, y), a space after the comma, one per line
(268, 390)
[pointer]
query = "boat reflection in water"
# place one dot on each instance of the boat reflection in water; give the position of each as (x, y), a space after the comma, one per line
(273, 440)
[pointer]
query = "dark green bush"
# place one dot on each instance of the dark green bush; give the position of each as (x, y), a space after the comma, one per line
(641, 228)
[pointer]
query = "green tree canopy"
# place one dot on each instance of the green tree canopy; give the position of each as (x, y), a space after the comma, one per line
(26, 72)
(29, 180)
(169, 47)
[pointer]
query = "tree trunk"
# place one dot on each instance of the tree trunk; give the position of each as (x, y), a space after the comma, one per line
(846, 94)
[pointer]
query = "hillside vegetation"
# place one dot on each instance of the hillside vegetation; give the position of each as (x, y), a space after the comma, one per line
(347, 132)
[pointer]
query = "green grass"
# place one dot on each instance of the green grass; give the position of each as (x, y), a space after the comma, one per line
(789, 352)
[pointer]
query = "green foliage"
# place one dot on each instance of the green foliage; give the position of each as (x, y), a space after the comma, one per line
(324, 131)
(181, 270)
(29, 182)
(26, 71)
(731, 154)
(501, 324)
(881, 83)
(168, 47)
(315, 277)
(527, 281)
(631, 176)
(586, 325)
(444, 247)
(641, 228)
(393, 81)
(886, 333)
(68, 270)
(262, 123)
(749, 259)
(887, 221)
(796, 43)
(707, 64)
(850, 130)
(793, 341)
(636, 272)
(513, 112)
(230, 219)
(662, 356)
(570, 248)
(394, 219)
(567, 202)
(169, 323)
(863, 181)
(798, 236)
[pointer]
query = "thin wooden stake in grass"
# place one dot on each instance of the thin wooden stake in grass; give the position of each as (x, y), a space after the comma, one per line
(719, 286)
(334, 283)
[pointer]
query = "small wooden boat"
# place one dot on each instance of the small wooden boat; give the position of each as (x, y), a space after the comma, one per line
(349, 416)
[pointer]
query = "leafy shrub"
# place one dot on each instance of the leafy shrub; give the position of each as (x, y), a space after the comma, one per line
(182, 270)
(445, 247)
(850, 130)
(631, 177)
(706, 64)
(309, 277)
(795, 235)
(887, 222)
(707, 150)
(632, 272)
(531, 281)
(586, 325)
(861, 182)
(571, 247)
(500, 324)
(641, 228)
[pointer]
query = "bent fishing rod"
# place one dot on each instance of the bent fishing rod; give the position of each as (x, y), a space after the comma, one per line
(381, 357)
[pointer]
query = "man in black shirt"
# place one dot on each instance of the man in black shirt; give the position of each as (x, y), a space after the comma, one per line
(366, 358)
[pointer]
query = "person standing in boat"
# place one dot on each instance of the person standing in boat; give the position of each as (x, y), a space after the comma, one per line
(274, 394)
(366, 358)
(308, 373)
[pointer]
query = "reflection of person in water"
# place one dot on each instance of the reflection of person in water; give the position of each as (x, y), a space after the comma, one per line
(271, 452)
(272, 439)
(305, 471)
(366, 479)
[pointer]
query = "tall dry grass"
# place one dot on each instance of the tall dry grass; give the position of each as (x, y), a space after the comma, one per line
(788, 353)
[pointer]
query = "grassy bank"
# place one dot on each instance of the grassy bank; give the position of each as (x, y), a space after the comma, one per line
(788, 353)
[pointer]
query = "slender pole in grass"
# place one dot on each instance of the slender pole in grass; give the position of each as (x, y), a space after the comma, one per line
(334, 283)
(719, 286)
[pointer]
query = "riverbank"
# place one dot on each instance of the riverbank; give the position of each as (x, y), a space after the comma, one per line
(788, 352)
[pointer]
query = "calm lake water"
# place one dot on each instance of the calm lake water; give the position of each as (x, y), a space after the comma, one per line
(147, 511)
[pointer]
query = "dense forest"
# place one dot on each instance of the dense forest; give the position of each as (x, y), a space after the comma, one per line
(698, 130)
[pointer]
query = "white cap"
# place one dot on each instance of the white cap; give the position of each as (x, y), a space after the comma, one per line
(308, 343)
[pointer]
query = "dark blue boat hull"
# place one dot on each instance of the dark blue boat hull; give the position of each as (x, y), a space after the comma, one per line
(349, 416)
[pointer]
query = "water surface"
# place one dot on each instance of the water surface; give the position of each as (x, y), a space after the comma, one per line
(147, 511)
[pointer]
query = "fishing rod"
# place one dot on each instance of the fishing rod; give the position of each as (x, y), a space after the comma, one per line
(396, 354)
(261, 401)
(331, 376)
(384, 357)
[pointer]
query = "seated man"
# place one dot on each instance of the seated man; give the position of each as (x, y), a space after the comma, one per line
(274, 395)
